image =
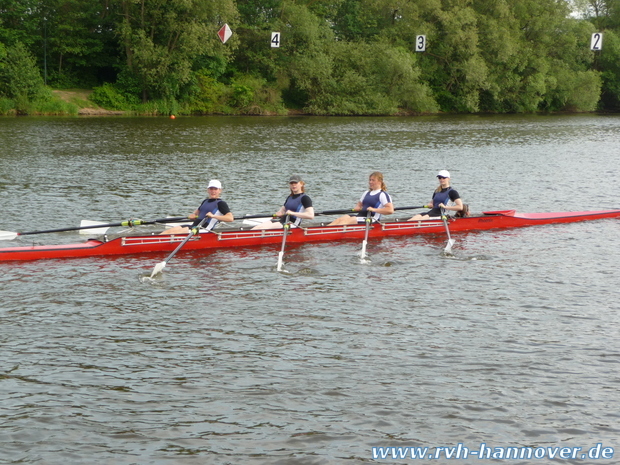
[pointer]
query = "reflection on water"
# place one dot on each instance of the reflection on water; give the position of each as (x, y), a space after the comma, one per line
(510, 341)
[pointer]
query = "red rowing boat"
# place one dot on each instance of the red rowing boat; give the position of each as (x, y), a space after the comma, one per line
(225, 238)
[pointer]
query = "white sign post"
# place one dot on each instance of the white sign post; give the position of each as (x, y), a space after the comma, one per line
(596, 43)
(275, 39)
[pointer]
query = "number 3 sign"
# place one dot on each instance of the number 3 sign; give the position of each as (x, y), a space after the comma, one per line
(420, 43)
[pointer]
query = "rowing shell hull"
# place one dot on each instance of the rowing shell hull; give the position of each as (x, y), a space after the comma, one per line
(248, 238)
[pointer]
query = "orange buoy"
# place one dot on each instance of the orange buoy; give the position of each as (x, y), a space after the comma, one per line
(172, 117)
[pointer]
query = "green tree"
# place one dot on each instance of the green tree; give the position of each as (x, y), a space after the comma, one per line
(356, 20)
(453, 65)
(608, 61)
(348, 77)
(336, 56)
(529, 68)
(20, 22)
(258, 13)
(20, 79)
(604, 16)
(80, 45)
(163, 39)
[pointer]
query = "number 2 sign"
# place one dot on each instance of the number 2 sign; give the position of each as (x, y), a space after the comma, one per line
(597, 41)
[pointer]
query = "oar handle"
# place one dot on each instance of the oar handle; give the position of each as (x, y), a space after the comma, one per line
(411, 208)
(336, 212)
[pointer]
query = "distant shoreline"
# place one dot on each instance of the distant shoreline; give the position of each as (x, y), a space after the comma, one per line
(80, 97)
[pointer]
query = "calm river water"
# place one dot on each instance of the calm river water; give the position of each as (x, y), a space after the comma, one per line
(512, 342)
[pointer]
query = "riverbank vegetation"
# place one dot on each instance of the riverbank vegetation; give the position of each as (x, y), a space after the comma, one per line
(334, 57)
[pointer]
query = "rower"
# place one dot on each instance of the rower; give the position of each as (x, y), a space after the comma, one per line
(297, 206)
(375, 200)
(212, 207)
(443, 195)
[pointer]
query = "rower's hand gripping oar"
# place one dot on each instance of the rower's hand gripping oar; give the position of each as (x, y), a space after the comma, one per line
(9, 235)
(450, 243)
(365, 241)
(286, 226)
(161, 265)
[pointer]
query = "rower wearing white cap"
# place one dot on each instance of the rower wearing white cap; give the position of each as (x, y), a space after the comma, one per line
(443, 195)
(297, 206)
(212, 207)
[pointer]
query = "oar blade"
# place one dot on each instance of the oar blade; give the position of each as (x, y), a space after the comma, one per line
(255, 221)
(8, 235)
(89, 229)
(365, 241)
(158, 268)
(285, 229)
(171, 223)
(363, 251)
(449, 245)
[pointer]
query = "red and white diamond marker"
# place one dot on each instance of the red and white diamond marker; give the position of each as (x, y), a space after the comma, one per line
(224, 33)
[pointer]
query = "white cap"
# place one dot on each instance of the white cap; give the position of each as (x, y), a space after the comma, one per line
(215, 183)
(444, 174)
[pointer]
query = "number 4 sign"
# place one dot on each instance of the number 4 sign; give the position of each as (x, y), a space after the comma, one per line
(597, 41)
(275, 39)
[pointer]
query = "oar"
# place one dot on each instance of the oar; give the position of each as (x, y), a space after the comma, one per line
(450, 243)
(365, 241)
(9, 235)
(161, 265)
(286, 227)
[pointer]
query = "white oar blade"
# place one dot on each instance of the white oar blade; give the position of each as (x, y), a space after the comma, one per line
(363, 251)
(85, 223)
(158, 269)
(174, 225)
(280, 258)
(255, 221)
(7, 235)
(449, 245)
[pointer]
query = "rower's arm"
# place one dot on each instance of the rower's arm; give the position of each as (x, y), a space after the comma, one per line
(308, 214)
(228, 217)
(387, 209)
(457, 207)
